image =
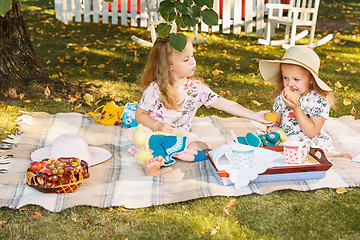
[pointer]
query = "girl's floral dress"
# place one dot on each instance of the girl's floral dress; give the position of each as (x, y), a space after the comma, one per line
(313, 105)
(194, 94)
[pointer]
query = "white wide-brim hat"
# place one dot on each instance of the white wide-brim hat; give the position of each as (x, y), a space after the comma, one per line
(297, 55)
(72, 145)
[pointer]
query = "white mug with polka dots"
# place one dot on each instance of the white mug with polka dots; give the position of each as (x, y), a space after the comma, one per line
(295, 152)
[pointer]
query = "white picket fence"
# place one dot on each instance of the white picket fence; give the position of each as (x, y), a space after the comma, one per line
(233, 14)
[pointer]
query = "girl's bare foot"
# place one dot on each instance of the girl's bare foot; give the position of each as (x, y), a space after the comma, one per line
(152, 166)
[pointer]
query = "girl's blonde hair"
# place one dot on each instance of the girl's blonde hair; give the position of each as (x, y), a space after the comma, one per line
(327, 95)
(157, 69)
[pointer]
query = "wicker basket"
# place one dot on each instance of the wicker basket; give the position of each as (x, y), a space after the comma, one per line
(59, 188)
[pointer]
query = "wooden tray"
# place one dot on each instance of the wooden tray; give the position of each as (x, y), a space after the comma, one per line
(283, 173)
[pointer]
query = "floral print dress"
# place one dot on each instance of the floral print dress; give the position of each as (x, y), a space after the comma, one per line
(194, 94)
(313, 105)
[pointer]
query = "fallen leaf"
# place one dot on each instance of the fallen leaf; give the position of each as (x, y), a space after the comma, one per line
(2, 223)
(346, 101)
(84, 49)
(47, 91)
(88, 97)
(101, 66)
(256, 102)
(230, 203)
(214, 230)
(73, 219)
(13, 94)
(338, 84)
(36, 215)
(57, 99)
(216, 72)
(77, 107)
(22, 96)
(226, 211)
(353, 111)
(85, 222)
(341, 190)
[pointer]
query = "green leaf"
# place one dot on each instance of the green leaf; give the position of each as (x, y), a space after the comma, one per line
(178, 41)
(109, 1)
(166, 7)
(163, 29)
(210, 17)
(180, 22)
(209, 3)
(189, 21)
(5, 6)
(188, 2)
(199, 3)
(196, 11)
(183, 8)
(171, 17)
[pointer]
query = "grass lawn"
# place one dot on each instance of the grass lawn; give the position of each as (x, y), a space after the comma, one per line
(103, 59)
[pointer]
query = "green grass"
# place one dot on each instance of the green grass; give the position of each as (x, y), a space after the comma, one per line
(228, 64)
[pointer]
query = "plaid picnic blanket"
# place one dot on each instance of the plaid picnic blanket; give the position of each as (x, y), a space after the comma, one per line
(121, 181)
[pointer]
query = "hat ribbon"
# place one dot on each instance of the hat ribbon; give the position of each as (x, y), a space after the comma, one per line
(302, 64)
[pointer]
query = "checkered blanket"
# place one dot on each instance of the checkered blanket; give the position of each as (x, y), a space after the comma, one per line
(121, 181)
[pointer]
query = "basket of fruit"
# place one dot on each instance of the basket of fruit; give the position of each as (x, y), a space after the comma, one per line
(62, 175)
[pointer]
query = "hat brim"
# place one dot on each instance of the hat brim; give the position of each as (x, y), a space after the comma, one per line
(270, 71)
(98, 155)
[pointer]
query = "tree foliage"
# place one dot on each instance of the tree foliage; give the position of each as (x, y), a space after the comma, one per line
(5, 6)
(184, 14)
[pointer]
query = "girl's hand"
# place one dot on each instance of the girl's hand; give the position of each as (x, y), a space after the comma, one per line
(165, 127)
(271, 129)
(260, 117)
(291, 104)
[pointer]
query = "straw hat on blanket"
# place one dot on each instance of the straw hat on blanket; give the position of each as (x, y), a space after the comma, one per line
(72, 145)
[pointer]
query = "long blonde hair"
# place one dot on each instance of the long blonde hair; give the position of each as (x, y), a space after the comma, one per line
(157, 69)
(329, 96)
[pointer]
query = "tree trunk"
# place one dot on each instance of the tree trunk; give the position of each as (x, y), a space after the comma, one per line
(19, 64)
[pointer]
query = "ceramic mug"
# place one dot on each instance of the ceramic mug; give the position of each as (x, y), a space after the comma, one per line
(295, 152)
(241, 156)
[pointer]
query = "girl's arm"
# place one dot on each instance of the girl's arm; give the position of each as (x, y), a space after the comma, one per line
(310, 126)
(236, 109)
(144, 118)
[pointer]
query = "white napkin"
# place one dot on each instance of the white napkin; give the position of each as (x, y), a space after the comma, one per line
(263, 159)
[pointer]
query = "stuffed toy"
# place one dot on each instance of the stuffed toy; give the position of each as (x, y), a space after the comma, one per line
(152, 144)
(128, 116)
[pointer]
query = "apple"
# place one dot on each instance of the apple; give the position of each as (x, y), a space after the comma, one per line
(35, 167)
(291, 94)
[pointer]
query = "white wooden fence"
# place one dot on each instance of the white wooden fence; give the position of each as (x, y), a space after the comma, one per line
(233, 14)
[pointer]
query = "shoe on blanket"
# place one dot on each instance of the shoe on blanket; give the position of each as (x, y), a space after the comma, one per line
(250, 139)
(269, 139)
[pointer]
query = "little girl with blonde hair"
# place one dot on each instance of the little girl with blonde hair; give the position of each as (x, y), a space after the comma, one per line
(301, 119)
(173, 95)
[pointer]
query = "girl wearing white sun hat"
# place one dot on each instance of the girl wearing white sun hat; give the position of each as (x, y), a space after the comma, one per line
(303, 100)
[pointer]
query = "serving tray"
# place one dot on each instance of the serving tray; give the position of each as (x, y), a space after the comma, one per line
(316, 170)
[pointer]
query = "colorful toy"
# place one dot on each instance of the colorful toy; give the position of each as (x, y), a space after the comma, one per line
(109, 115)
(128, 116)
(152, 144)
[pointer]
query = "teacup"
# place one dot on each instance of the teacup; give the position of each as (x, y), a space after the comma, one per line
(295, 152)
(241, 156)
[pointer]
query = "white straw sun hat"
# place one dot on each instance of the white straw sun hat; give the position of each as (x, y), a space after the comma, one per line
(72, 145)
(298, 55)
